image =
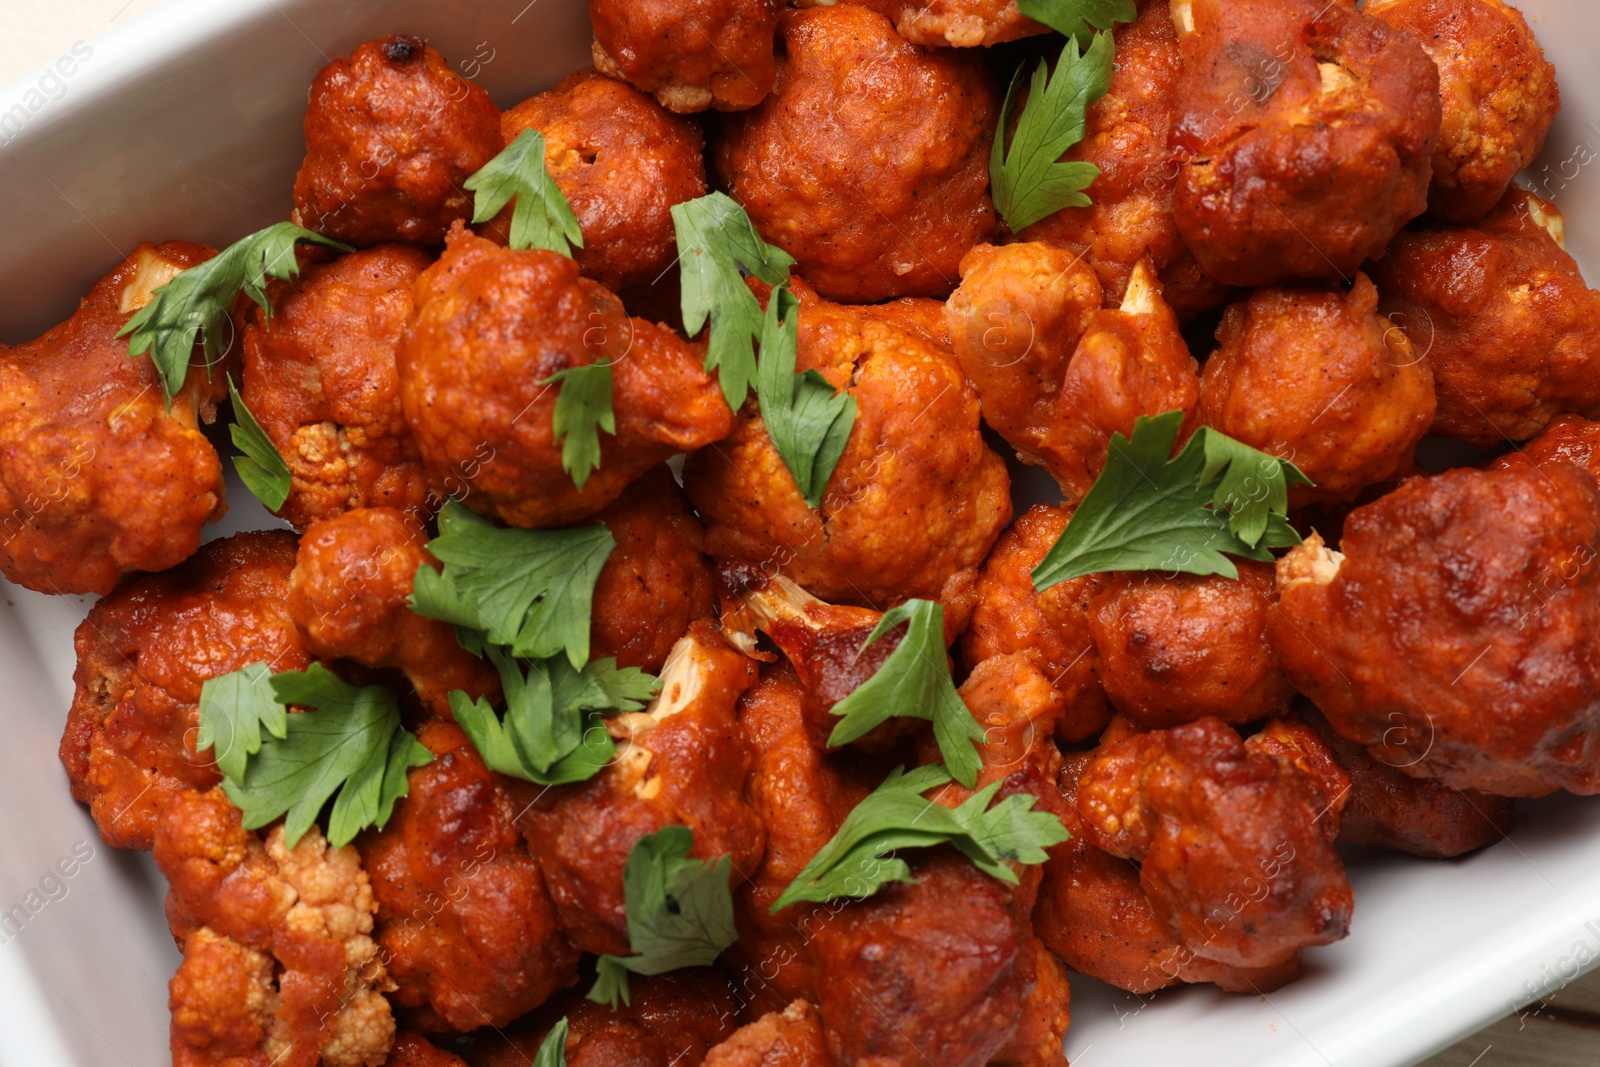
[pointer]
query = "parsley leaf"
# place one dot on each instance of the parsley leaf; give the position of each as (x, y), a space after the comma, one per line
(809, 422)
(233, 710)
(1031, 181)
(680, 912)
(553, 1052)
(583, 409)
(261, 468)
(351, 744)
(531, 591)
(1147, 511)
(1072, 18)
(196, 302)
(542, 218)
(914, 682)
(862, 857)
(716, 237)
(552, 732)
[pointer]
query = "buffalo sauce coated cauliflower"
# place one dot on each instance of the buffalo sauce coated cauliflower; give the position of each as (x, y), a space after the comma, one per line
(959, 23)
(320, 378)
(917, 497)
(1316, 377)
(1131, 217)
(279, 966)
(492, 326)
(1499, 97)
(622, 162)
(98, 477)
(465, 926)
(1502, 313)
(869, 164)
(1453, 634)
(145, 651)
(391, 134)
(1569, 439)
(1305, 133)
(691, 54)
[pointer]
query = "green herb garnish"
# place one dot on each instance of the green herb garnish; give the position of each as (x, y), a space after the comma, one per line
(261, 468)
(1073, 18)
(808, 421)
(583, 409)
(542, 217)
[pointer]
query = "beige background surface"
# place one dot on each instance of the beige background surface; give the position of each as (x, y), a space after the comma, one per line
(1561, 1032)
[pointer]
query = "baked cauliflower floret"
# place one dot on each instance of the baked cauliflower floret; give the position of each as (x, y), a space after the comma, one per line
(788, 1038)
(691, 54)
(681, 761)
(145, 651)
(350, 594)
(1453, 634)
(98, 477)
(492, 326)
(958, 23)
(1056, 373)
(467, 930)
(622, 162)
(915, 501)
(1569, 439)
(1235, 844)
(1498, 93)
(1050, 628)
(1176, 648)
(869, 164)
(279, 963)
(1314, 376)
(411, 1049)
(1504, 316)
(1304, 135)
(1125, 136)
(392, 133)
(320, 378)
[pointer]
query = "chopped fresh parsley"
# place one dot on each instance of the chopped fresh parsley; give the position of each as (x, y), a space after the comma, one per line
(530, 591)
(1030, 180)
(862, 857)
(914, 682)
(680, 912)
(1073, 18)
(583, 409)
(716, 238)
(552, 732)
(350, 748)
(1148, 511)
(808, 420)
(196, 302)
(542, 218)
(553, 1052)
(261, 468)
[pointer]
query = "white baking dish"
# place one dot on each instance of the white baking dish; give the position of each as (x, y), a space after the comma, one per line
(187, 125)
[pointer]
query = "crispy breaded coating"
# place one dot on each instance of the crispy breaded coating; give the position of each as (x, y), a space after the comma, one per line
(917, 497)
(492, 325)
(1503, 314)
(1125, 136)
(350, 594)
(957, 23)
(1569, 439)
(1314, 376)
(656, 581)
(279, 965)
(391, 134)
(690, 54)
(320, 378)
(621, 161)
(1050, 628)
(1390, 809)
(1056, 373)
(98, 477)
(788, 1038)
(467, 930)
(1499, 97)
(1235, 845)
(1304, 136)
(1453, 633)
(1174, 648)
(681, 761)
(869, 163)
(145, 651)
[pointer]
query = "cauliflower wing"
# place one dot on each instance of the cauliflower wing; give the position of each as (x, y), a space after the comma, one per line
(690, 54)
